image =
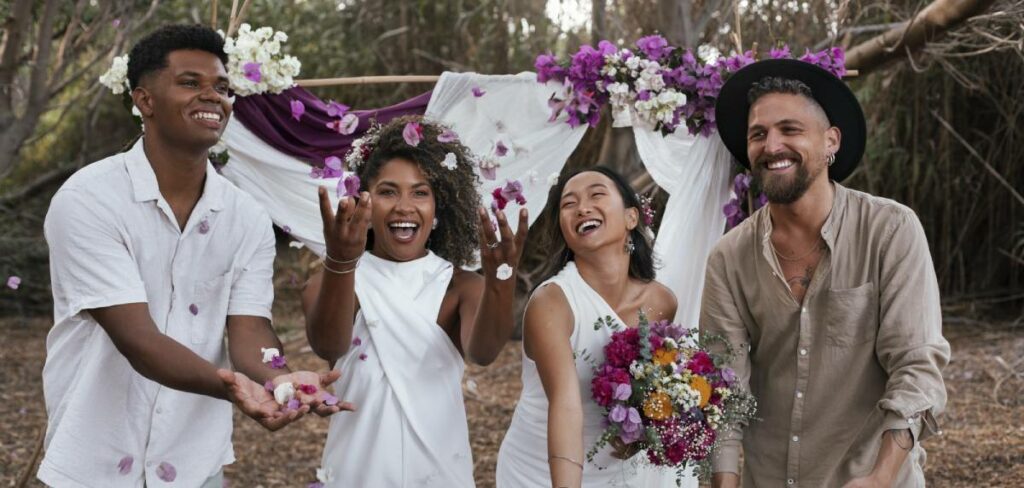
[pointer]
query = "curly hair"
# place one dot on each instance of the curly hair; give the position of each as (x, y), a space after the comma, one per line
(456, 198)
(150, 54)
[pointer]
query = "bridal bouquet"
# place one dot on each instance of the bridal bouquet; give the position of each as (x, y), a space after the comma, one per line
(665, 393)
(664, 86)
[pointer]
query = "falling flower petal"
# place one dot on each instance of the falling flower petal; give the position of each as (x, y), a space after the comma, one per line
(412, 133)
(450, 161)
(500, 149)
(447, 136)
(362, 357)
(324, 475)
(269, 353)
(193, 309)
(204, 226)
(357, 341)
(513, 191)
(278, 362)
(532, 177)
(335, 109)
(503, 272)
(286, 229)
(330, 400)
(478, 92)
(13, 282)
(269, 386)
(252, 71)
(349, 124)
(348, 186)
(292, 404)
(308, 389)
(553, 179)
(166, 472)
(124, 466)
(298, 108)
(333, 162)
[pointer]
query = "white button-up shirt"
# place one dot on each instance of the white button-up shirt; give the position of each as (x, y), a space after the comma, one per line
(114, 240)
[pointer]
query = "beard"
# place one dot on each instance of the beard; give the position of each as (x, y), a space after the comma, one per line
(780, 189)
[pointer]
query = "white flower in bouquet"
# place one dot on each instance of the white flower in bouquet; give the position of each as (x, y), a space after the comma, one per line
(256, 63)
(708, 53)
(116, 78)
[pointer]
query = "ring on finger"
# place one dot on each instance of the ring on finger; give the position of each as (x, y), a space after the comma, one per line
(493, 245)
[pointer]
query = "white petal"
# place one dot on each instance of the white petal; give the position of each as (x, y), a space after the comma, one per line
(504, 272)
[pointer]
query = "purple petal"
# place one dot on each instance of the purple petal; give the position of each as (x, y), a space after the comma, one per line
(335, 109)
(115, 23)
(278, 362)
(13, 282)
(622, 392)
(447, 136)
(357, 341)
(362, 357)
(298, 108)
(193, 309)
(252, 72)
(124, 466)
(348, 186)
(315, 484)
(500, 149)
(478, 92)
(349, 123)
(489, 173)
(286, 229)
(618, 414)
(412, 133)
(292, 404)
(333, 162)
(204, 226)
(330, 400)
(166, 472)
(269, 386)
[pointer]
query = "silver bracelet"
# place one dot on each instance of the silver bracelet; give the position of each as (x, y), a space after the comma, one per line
(567, 459)
(328, 268)
(335, 261)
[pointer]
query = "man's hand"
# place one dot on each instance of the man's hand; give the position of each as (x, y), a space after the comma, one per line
(256, 402)
(725, 480)
(317, 401)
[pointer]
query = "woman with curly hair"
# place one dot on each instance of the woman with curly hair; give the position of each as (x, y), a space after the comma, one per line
(607, 259)
(396, 313)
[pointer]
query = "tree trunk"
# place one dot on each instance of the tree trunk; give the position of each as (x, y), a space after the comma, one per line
(928, 25)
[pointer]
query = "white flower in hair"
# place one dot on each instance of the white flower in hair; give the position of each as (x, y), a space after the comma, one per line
(553, 179)
(450, 161)
(116, 78)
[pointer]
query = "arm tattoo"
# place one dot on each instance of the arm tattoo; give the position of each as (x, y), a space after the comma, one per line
(902, 437)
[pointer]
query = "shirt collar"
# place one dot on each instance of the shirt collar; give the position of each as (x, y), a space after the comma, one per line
(145, 187)
(828, 229)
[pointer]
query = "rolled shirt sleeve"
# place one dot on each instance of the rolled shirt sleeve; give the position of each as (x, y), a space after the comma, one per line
(910, 346)
(720, 316)
(91, 263)
(252, 292)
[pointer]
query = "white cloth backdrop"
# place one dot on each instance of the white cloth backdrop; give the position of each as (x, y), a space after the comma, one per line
(693, 170)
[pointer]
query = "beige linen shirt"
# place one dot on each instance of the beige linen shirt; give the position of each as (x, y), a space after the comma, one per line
(861, 355)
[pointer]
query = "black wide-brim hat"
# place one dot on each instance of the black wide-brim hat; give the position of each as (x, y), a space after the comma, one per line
(841, 107)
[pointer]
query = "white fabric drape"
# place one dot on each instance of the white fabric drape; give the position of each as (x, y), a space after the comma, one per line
(513, 110)
(694, 171)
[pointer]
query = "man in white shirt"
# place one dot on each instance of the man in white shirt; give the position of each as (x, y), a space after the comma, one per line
(153, 255)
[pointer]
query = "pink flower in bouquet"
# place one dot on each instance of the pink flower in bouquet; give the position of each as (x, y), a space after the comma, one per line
(623, 348)
(604, 383)
(630, 421)
(701, 363)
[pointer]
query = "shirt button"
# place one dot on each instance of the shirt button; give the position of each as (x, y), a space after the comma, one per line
(790, 481)
(803, 310)
(796, 438)
(159, 410)
(803, 352)
(799, 394)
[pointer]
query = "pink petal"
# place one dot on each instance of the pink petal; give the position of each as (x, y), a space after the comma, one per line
(362, 357)
(357, 341)
(412, 133)
(252, 72)
(307, 389)
(298, 108)
(330, 400)
(193, 309)
(500, 149)
(333, 162)
(293, 404)
(447, 136)
(335, 109)
(13, 282)
(278, 362)
(269, 386)
(478, 92)
(489, 173)
(124, 466)
(166, 472)
(349, 123)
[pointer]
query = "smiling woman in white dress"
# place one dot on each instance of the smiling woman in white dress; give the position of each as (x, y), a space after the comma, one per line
(608, 271)
(396, 313)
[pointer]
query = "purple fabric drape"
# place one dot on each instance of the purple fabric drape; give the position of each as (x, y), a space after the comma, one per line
(309, 139)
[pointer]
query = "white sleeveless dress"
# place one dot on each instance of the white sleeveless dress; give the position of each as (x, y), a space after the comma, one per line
(523, 457)
(405, 378)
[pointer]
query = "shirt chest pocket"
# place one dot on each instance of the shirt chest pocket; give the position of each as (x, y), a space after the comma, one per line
(852, 315)
(209, 308)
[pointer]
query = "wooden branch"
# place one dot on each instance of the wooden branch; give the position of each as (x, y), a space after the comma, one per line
(977, 156)
(213, 15)
(236, 21)
(928, 25)
(366, 80)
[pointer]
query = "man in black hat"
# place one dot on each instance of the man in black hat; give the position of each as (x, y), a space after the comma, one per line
(827, 295)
